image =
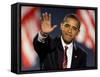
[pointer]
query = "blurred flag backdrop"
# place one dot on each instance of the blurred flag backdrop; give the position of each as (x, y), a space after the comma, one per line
(30, 26)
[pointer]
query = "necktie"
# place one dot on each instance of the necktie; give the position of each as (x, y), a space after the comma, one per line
(64, 65)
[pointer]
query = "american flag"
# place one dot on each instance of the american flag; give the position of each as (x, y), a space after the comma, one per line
(30, 26)
(87, 31)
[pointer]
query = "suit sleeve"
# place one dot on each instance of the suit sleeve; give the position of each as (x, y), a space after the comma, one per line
(42, 48)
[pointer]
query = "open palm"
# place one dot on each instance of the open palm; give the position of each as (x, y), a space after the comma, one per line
(46, 25)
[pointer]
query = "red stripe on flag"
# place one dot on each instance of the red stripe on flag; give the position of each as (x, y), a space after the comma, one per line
(91, 18)
(30, 15)
(26, 20)
(25, 61)
(87, 36)
(28, 37)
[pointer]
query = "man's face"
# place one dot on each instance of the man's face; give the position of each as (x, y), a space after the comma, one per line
(69, 30)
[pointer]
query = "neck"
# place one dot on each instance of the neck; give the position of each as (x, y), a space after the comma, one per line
(63, 41)
(66, 42)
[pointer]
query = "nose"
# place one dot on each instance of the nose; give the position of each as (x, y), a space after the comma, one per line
(70, 30)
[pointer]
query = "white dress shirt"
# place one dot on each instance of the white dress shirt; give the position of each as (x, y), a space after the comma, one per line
(69, 52)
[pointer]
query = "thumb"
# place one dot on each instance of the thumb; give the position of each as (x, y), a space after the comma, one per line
(54, 27)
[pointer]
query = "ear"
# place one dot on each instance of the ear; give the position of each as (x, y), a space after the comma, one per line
(78, 32)
(61, 26)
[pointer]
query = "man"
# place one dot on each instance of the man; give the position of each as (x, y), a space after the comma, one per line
(63, 52)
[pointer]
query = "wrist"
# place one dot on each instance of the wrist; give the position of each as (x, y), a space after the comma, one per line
(44, 34)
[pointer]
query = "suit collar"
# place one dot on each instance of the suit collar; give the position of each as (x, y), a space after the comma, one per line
(75, 56)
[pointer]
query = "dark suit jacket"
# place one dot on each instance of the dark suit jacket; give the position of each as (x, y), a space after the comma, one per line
(51, 54)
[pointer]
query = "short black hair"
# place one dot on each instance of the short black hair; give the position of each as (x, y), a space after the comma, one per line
(73, 16)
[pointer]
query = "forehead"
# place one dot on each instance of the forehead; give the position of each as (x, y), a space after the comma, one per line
(71, 21)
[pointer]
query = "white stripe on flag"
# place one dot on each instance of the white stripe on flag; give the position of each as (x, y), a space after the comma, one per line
(88, 30)
(29, 29)
(89, 24)
(28, 49)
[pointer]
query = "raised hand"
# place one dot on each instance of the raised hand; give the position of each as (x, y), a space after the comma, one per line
(46, 26)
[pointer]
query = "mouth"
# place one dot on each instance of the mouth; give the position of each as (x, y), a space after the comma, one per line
(68, 35)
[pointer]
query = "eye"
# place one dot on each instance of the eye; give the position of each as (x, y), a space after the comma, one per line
(66, 25)
(74, 28)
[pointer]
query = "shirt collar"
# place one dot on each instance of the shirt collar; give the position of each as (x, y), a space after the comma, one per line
(64, 44)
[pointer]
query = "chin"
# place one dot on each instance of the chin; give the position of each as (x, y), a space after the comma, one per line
(67, 41)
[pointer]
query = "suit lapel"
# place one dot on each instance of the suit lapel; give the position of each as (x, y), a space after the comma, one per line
(60, 52)
(75, 57)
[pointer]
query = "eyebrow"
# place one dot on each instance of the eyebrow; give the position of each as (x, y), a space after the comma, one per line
(69, 25)
(66, 24)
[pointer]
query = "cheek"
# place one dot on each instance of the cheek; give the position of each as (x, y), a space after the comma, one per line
(74, 34)
(65, 30)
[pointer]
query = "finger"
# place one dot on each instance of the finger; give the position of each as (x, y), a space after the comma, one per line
(41, 23)
(43, 16)
(49, 17)
(46, 16)
(61, 24)
(41, 19)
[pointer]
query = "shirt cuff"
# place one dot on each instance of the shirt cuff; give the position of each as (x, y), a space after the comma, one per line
(41, 38)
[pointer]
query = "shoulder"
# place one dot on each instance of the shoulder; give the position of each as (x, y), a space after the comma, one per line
(55, 42)
(80, 48)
